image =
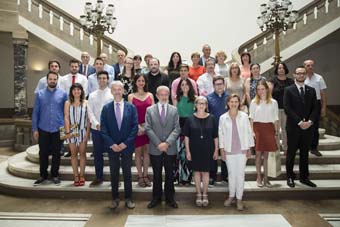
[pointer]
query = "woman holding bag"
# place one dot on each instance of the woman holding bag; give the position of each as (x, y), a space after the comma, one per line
(235, 139)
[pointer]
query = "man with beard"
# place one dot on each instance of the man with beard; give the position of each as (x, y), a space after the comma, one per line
(156, 78)
(162, 128)
(47, 117)
(53, 66)
(300, 105)
(205, 81)
(93, 78)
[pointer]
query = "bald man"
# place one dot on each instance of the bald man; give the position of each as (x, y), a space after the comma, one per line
(108, 68)
(119, 66)
(85, 68)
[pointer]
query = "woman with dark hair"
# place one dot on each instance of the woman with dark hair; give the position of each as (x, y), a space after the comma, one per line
(77, 129)
(137, 60)
(278, 84)
(142, 99)
(252, 81)
(126, 77)
(245, 68)
(264, 118)
(172, 70)
(201, 144)
(185, 98)
(235, 140)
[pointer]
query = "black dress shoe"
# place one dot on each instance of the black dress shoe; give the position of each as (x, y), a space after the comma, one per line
(172, 203)
(154, 203)
(316, 152)
(290, 182)
(308, 183)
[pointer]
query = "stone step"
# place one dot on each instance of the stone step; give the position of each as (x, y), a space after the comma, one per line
(18, 165)
(326, 142)
(329, 157)
(18, 186)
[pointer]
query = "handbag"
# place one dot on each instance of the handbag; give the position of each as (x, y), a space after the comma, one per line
(274, 164)
(74, 131)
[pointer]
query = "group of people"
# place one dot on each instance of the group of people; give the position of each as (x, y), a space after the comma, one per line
(183, 118)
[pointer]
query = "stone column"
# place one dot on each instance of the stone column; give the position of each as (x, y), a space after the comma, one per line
(20, 47)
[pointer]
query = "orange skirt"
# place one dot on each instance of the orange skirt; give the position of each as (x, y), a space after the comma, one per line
(264, 137)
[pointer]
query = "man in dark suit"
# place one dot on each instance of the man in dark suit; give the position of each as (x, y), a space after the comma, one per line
(85, 68)
(206, 49)
(119, 66)
(119, 126)
(300, 105)
(162, 128)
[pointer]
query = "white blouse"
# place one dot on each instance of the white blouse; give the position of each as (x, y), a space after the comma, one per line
(264, 112)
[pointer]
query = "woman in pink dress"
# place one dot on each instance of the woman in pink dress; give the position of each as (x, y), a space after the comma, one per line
(142, 99)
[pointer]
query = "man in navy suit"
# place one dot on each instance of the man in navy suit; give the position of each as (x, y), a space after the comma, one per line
(119, 66)
(85, 68)
(119, 126)
(206, 49)
(300, 105)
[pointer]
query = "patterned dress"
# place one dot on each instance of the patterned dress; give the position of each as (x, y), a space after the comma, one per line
(78, 117)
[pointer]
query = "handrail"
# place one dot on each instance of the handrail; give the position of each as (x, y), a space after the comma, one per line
(308, 9)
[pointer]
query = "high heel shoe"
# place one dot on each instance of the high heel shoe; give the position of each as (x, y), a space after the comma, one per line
(205, 201)
(199, 201)
(259, 183)
(81, 181)
(76, 181)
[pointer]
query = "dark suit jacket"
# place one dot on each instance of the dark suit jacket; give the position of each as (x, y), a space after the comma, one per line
(296, 109)
(90, 70)
(117, 70)
(109, 128)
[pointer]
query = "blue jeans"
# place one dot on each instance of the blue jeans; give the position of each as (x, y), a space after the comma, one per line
(98, 149)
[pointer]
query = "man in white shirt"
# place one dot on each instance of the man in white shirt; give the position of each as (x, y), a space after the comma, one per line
(73, 77)
(205, 82)
(53, 66)
(108, 68)
(92, 79)
(317, 82)
(97, 100)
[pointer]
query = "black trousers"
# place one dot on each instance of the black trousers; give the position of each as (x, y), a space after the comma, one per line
(49, 143)
(157, 162)
(298, 139)
(213, 171)
(315, 140)
(117, 159)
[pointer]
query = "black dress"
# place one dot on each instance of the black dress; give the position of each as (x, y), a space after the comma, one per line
(201, 133)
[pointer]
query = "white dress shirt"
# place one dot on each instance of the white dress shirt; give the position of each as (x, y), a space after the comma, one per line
(97, 100)
(205, 84)
(264, 112)
(318, 83)
(66, 82)
(93, 82)
(243, 127)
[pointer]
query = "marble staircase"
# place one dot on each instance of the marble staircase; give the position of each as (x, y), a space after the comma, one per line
(18, 173)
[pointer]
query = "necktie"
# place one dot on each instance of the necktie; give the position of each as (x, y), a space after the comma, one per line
(163, 114)
(73, 79)
(118, 115)
(85, 73)
(302, 94)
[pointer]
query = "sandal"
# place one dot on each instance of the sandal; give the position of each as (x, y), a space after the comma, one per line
(141, 182)
(76, 181)
(81, 181)
(147, 181)
(199, 201)
(205, 201)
